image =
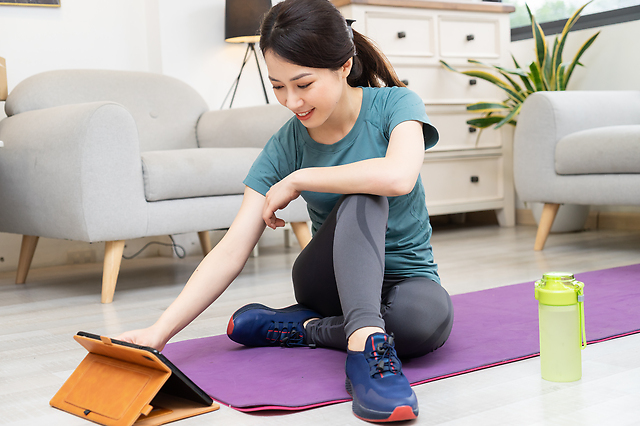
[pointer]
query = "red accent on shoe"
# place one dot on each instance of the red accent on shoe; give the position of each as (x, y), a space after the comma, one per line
(230, 327)
(399, 414)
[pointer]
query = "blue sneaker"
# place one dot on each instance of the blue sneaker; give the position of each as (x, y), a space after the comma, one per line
(381, 393)
(259, 325)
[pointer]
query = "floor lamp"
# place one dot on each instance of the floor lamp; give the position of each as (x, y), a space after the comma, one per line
(242, 25)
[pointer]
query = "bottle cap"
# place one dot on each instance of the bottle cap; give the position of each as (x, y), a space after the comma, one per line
(558, 289)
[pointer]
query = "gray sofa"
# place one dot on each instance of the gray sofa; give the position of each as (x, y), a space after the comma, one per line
(95, 155)
(577, 147)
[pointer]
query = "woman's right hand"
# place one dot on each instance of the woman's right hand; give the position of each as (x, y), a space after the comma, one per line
(144, 337)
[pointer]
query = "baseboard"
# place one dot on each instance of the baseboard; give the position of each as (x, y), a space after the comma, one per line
(622, 221)
(525, 217)
(625, 221)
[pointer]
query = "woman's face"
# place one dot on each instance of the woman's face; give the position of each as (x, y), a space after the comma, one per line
(311, 93)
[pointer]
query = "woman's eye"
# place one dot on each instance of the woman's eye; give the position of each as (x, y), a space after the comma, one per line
(305, 86)
(277, 87)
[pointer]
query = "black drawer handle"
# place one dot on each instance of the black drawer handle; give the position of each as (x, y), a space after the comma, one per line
(473, 82)
(472, 129)
(470, 37)
(402, 34)
(405, 82)
(475, 179)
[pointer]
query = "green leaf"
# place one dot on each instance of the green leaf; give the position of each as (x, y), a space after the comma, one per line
(487, 107)
(447, 66)
(509, 118)
(576, 59)
(484, 122)
(488, 77)
(515, 85)
(536, 78)
(485, 76)
(513, 71)
(545, 72)
(557, 58)
(504, 72)
(538, 36)
(515, 62)
(560, 77)
(549, 69)
(525, 78)
(516, 96)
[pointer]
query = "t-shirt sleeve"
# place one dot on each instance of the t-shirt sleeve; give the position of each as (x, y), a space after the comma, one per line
(405, 105)
(272, 165)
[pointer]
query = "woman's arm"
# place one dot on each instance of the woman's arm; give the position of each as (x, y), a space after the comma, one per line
(394, 174)
(211, 278)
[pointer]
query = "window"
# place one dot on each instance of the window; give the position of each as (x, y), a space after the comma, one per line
(554, 10)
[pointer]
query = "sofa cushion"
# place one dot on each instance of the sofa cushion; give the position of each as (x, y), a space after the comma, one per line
(603, 150)
(197, 172)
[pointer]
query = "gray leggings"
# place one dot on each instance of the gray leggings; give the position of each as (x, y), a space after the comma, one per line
(340, 275)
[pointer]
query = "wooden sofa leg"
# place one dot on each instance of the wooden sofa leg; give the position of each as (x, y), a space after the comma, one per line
(205, 242)
(302, 233)
(112, 259)
(27, 250)
(549, 212)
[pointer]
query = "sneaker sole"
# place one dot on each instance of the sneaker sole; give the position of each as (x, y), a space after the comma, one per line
(400, 413)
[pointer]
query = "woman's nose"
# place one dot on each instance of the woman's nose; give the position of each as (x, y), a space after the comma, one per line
(293, 101)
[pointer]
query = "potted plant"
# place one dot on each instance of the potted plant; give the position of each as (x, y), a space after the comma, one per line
(546, 73)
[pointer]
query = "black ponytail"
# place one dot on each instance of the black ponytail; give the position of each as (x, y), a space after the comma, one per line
(314, 34)
(370, 66)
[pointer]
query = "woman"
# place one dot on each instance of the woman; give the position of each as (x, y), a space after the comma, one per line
(367, 282)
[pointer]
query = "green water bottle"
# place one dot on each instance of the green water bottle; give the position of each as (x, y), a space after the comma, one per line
(562, 331)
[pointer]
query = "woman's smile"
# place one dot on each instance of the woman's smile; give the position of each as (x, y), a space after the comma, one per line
(305, 115)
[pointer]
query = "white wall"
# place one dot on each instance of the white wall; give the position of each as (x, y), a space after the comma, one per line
(80, 34)
(194, 50)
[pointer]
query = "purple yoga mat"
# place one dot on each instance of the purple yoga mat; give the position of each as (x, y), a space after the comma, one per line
(491, 327)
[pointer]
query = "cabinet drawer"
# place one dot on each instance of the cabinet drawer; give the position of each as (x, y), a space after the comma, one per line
(463, 180)
(469, 38)
(436, 84)
(456, 134)
(402, 35)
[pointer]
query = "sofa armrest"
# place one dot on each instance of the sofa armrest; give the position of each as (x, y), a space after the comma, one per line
(72, 172)
(547, 117)
(241, 127)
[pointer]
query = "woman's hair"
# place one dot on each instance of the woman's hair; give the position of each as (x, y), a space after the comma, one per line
(314, 34)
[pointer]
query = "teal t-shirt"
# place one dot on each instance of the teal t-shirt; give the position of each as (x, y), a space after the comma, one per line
(408, 250)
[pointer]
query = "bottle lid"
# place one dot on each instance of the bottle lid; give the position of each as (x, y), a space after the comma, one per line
(558, 289)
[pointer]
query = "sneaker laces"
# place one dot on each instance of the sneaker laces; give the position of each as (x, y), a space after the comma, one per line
(383, 360)
(286, 335)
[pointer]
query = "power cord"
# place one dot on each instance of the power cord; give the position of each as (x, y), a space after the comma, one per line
(172, 245)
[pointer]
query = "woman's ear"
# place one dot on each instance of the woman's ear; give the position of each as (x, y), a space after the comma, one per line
(345, 70)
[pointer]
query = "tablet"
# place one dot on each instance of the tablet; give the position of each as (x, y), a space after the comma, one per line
(178, 384)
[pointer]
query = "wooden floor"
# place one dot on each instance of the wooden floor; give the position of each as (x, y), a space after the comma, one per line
(38, 320)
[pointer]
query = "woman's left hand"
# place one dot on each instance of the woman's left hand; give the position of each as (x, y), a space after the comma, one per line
(278, 197)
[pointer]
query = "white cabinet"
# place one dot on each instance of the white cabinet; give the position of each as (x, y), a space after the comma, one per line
(462, 173)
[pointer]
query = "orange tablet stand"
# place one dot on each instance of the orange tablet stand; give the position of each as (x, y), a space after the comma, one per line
(116, 385)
